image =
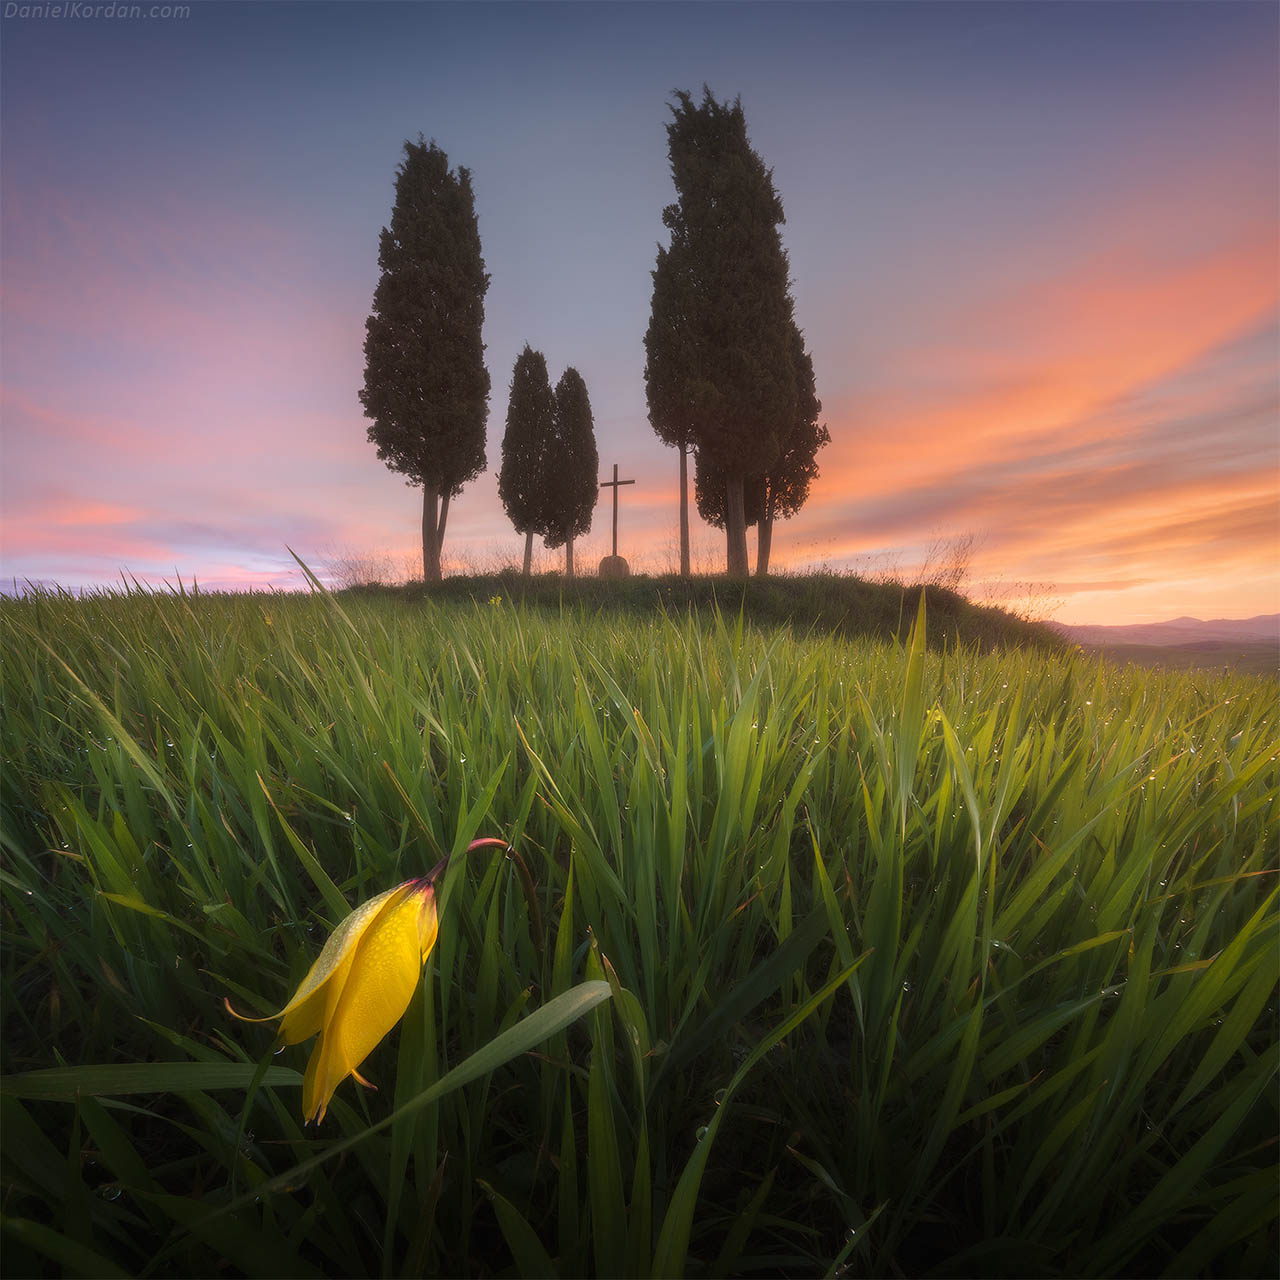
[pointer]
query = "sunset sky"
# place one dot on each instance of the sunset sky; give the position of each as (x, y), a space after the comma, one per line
(1033, 246)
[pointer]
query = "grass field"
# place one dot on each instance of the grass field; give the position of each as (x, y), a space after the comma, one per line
(843, 956)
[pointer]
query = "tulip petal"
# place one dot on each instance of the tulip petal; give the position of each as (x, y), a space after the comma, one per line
(311, 1005)
(339, 948)
(381, 977)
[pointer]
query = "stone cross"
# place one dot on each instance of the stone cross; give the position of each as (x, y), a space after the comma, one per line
(613, 484)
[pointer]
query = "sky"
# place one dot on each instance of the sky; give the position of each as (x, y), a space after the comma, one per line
(1033, 246)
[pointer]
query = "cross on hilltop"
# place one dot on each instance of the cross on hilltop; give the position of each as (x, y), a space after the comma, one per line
(613, 484)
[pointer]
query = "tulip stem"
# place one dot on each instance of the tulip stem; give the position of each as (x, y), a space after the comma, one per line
(526, 881)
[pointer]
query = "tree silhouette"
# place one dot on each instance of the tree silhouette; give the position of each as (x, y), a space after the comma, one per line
(785, 488)
(736, 379)
(670, 367)
(569, 473)
(425, 385)
(526, 448)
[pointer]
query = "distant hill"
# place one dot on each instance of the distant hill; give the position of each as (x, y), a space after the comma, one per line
(1263, 629)
(1249, 645)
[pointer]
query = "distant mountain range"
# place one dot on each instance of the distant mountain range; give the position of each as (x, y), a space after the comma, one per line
(1262, 630)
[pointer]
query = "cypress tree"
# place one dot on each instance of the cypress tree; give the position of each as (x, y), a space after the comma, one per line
(570, 484)
(526, 447)
(425, 385)
(736, 380)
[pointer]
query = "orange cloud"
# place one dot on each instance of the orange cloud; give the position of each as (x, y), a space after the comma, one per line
(1040, 363)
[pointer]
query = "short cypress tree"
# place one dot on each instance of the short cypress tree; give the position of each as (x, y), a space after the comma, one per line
(571, 485)
(526, 447)
(425, 385)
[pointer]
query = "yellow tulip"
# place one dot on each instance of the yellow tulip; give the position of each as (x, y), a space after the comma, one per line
(360, 985)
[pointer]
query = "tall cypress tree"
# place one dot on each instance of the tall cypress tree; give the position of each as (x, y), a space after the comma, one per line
(526, 448)
(785, 489)
(425, 384)
(570, 485)
(736, 380)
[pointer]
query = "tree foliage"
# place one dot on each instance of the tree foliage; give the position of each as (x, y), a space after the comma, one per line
(718, 351)
(425, 385)
(784, 489)
(670, 367)
(671, 348)
(734, 292)
(570, 484)
(526, 445)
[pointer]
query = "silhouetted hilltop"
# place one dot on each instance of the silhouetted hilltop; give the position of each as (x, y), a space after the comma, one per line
(823, 602)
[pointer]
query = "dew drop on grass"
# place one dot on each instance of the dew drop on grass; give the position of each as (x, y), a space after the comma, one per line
(720, 1096)
(700, 1133)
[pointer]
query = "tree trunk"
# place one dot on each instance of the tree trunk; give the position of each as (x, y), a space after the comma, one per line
(684, 512)
(764, 537)
(568, 556)
(430, 534)
(444, 516)
(735, 527)
(528, 552)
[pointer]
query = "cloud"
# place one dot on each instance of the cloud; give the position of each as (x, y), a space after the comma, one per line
(1081, 419)
(1085, 374)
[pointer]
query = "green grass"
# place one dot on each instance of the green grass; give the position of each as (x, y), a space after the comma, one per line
(922, 961)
